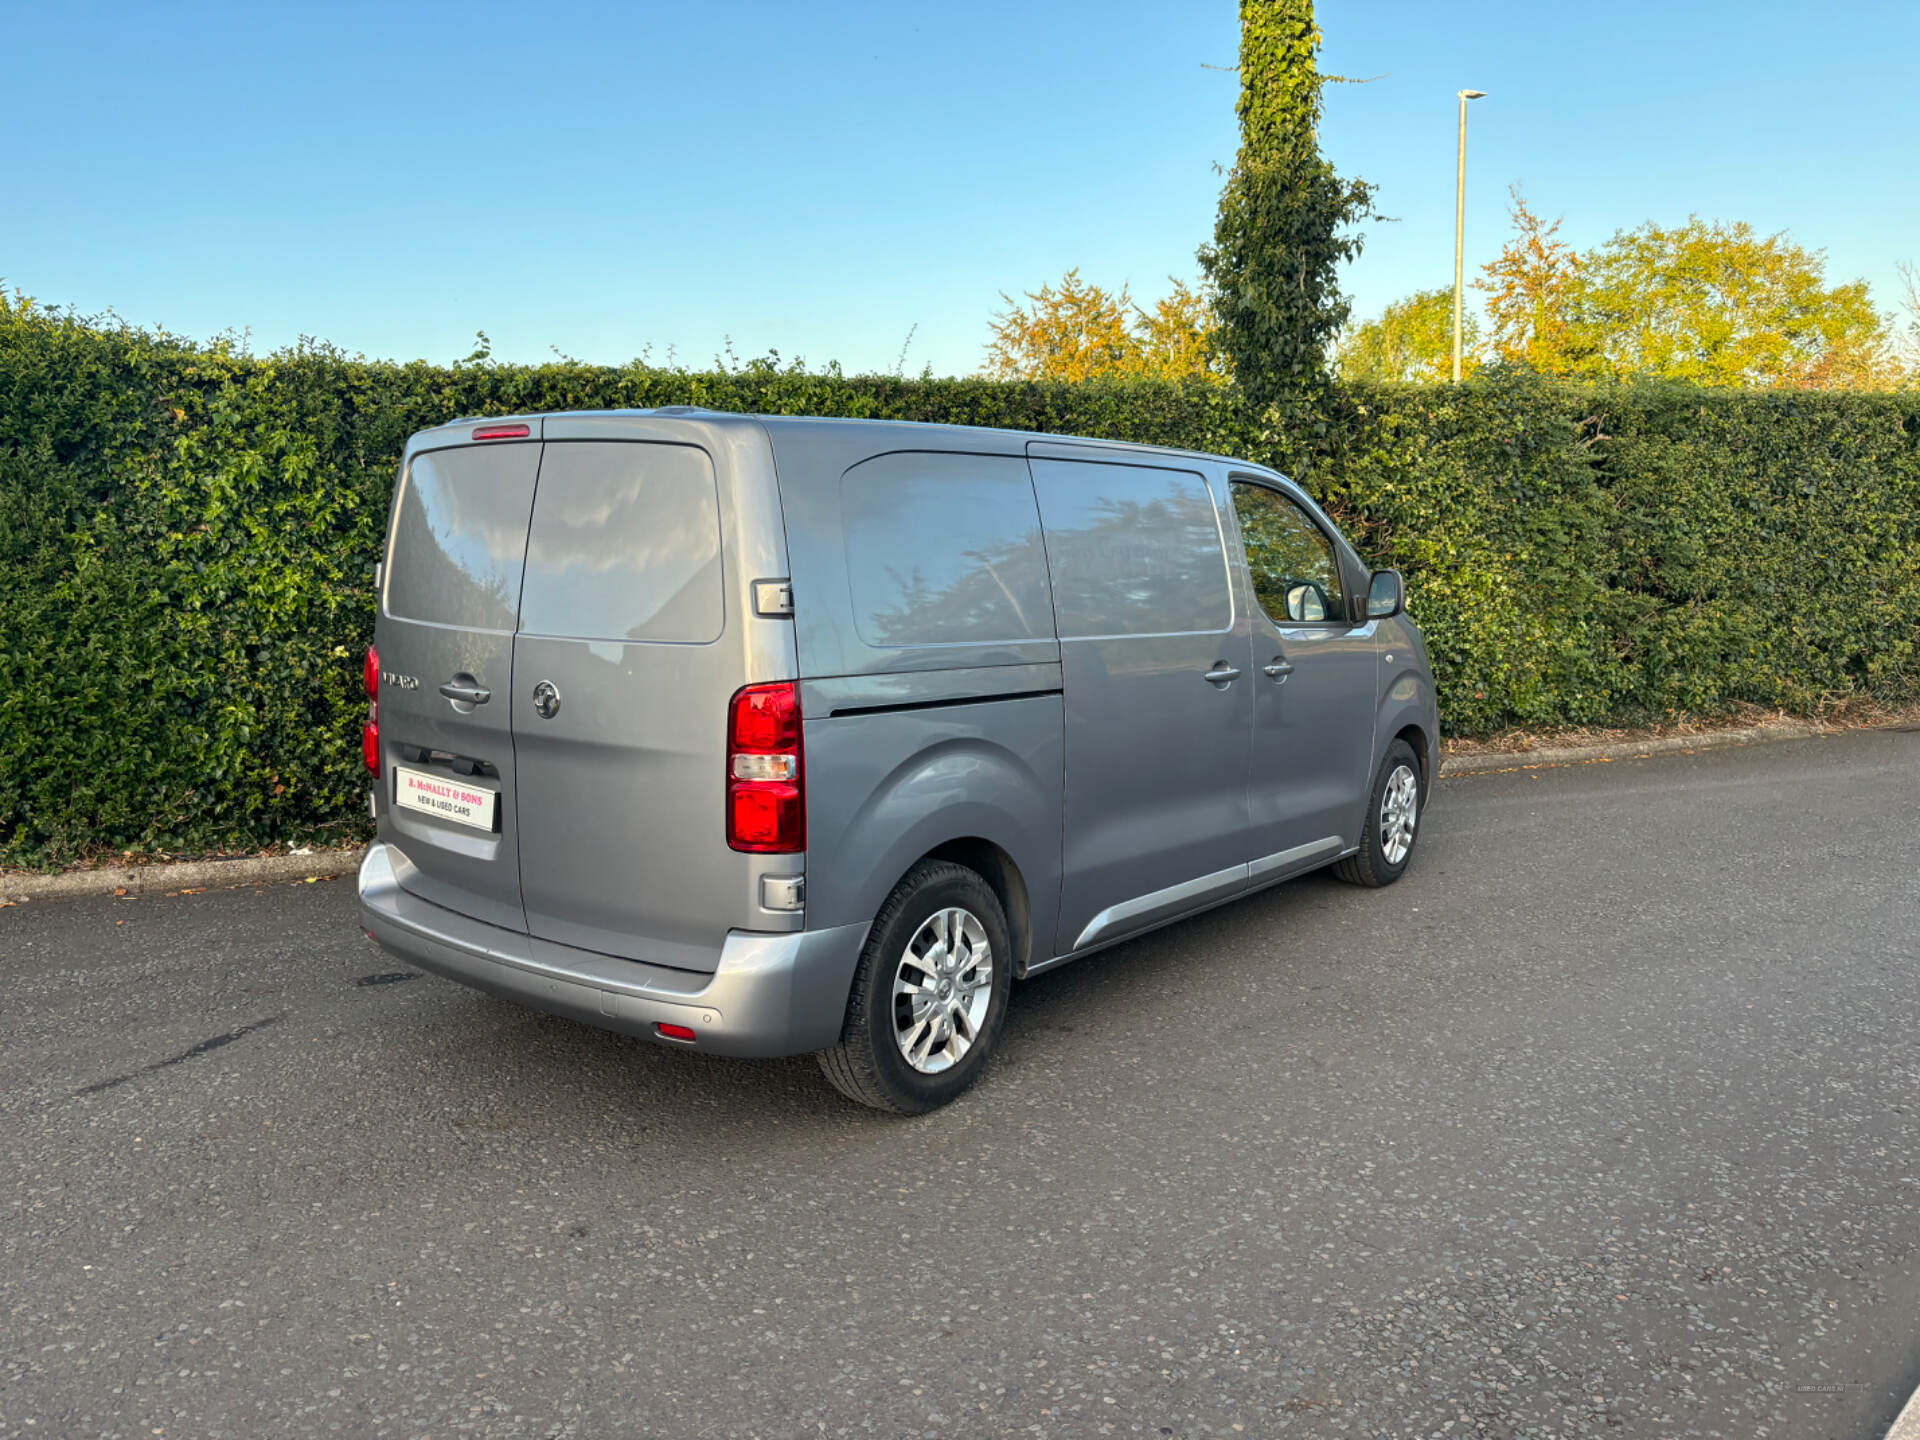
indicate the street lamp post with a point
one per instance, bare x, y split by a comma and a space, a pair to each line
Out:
1460, 229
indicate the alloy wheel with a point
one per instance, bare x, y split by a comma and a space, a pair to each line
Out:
942, 986
1399, 813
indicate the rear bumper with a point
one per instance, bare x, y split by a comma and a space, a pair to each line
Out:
771, 995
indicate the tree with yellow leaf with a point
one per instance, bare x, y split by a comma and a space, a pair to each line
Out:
1717, 304
1908, 341
1082, 331
1534, 298
1708, 302
1411, 342
1178, 337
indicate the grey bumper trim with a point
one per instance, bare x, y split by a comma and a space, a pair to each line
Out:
772, 994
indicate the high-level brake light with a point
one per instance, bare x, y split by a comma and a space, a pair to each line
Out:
502, 432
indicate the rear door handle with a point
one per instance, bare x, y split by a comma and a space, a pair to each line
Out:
1222, 674
470, 693
1279, 669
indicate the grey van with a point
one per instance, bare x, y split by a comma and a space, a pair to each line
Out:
761, 735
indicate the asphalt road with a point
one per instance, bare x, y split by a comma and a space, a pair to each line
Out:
1600, 1123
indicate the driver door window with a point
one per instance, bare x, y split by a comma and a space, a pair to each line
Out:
1296, 576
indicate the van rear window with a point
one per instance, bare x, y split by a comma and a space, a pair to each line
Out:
625, 544
945, 550
459, 533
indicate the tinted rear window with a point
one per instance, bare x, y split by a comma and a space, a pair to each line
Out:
459, 534
625, 544
1134, 550
945, 550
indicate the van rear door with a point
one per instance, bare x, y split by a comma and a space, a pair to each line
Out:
623, 669
445, 640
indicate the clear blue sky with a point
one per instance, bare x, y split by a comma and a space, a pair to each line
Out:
819, 178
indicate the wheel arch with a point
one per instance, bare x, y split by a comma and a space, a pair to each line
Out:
1424, 753
901, 788
1407, 712
1003, 877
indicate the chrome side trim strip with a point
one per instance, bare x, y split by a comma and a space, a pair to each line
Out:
1327, 847
1041, 967
1142, 906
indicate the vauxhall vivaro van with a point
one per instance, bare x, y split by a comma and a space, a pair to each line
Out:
763, 736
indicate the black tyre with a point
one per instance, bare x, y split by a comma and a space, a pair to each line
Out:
929, 996
1393, 821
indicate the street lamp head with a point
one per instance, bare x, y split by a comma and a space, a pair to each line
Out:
1473, 94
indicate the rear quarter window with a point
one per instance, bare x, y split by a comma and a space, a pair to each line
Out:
1135, 550
944, 550
625, 544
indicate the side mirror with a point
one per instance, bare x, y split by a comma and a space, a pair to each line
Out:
1386, 595
1306, 602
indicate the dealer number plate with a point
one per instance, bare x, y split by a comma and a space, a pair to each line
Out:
449, 797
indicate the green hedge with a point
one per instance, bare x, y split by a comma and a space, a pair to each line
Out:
187, 538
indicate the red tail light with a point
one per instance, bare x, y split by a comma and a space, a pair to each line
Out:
502, 432
370, 732
766, 783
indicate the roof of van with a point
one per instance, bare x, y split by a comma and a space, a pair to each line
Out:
705, 415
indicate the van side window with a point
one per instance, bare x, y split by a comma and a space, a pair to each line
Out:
625, 544
1135, 550
945, 550
1296, 576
